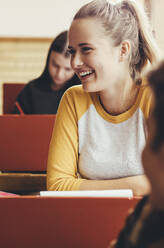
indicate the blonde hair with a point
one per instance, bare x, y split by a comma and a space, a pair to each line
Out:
125, 20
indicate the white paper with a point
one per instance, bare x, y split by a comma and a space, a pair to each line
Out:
127, 193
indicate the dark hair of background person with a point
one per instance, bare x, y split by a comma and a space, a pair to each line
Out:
156, 81
59, 45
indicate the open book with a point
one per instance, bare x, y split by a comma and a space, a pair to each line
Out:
127, 193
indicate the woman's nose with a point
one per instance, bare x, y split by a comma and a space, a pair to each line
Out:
76, 61
60, 73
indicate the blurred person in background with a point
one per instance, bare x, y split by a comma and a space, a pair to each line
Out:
42, 95
144, 227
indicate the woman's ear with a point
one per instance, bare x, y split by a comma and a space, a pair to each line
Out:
125, 49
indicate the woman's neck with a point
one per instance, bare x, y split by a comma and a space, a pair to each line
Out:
119, 99
56, 87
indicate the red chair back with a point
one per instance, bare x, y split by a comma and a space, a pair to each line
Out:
10, 93
25, 142
61, 222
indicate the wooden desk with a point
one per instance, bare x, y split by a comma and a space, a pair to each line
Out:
22, 183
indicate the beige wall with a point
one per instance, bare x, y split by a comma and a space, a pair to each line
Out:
36, 18
21, 59
158, 22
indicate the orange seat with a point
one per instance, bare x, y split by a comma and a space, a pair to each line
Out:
24, 146
25, 142
10, 93
61, 222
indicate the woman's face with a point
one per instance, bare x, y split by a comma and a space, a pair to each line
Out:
59, 69
93, 57
153, 163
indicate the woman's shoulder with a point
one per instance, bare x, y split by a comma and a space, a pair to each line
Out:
34, 82
37, 85
146, 87
30, 84
76, 98
146, 98
77, 91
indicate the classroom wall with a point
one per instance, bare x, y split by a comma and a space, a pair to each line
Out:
36, 18
158, 22
21, 59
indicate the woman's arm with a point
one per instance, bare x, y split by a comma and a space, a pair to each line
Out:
62, 173
139, 184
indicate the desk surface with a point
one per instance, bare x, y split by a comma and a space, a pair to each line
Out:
46, 222
22, 182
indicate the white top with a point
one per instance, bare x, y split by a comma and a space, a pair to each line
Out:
89, 143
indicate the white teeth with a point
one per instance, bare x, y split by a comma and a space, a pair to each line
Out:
85, 73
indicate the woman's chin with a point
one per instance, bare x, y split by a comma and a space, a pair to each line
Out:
89, 86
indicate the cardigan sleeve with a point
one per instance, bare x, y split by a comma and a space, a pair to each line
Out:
62, 163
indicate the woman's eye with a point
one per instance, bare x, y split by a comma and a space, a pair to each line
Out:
54, 64
86, 49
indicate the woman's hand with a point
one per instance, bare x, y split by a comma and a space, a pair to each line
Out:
139, 184
112, 244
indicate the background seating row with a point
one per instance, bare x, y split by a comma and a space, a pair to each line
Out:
24, 148
10, 92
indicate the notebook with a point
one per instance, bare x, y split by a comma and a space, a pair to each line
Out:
127, 193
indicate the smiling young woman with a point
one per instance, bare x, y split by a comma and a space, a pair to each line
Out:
100, 128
